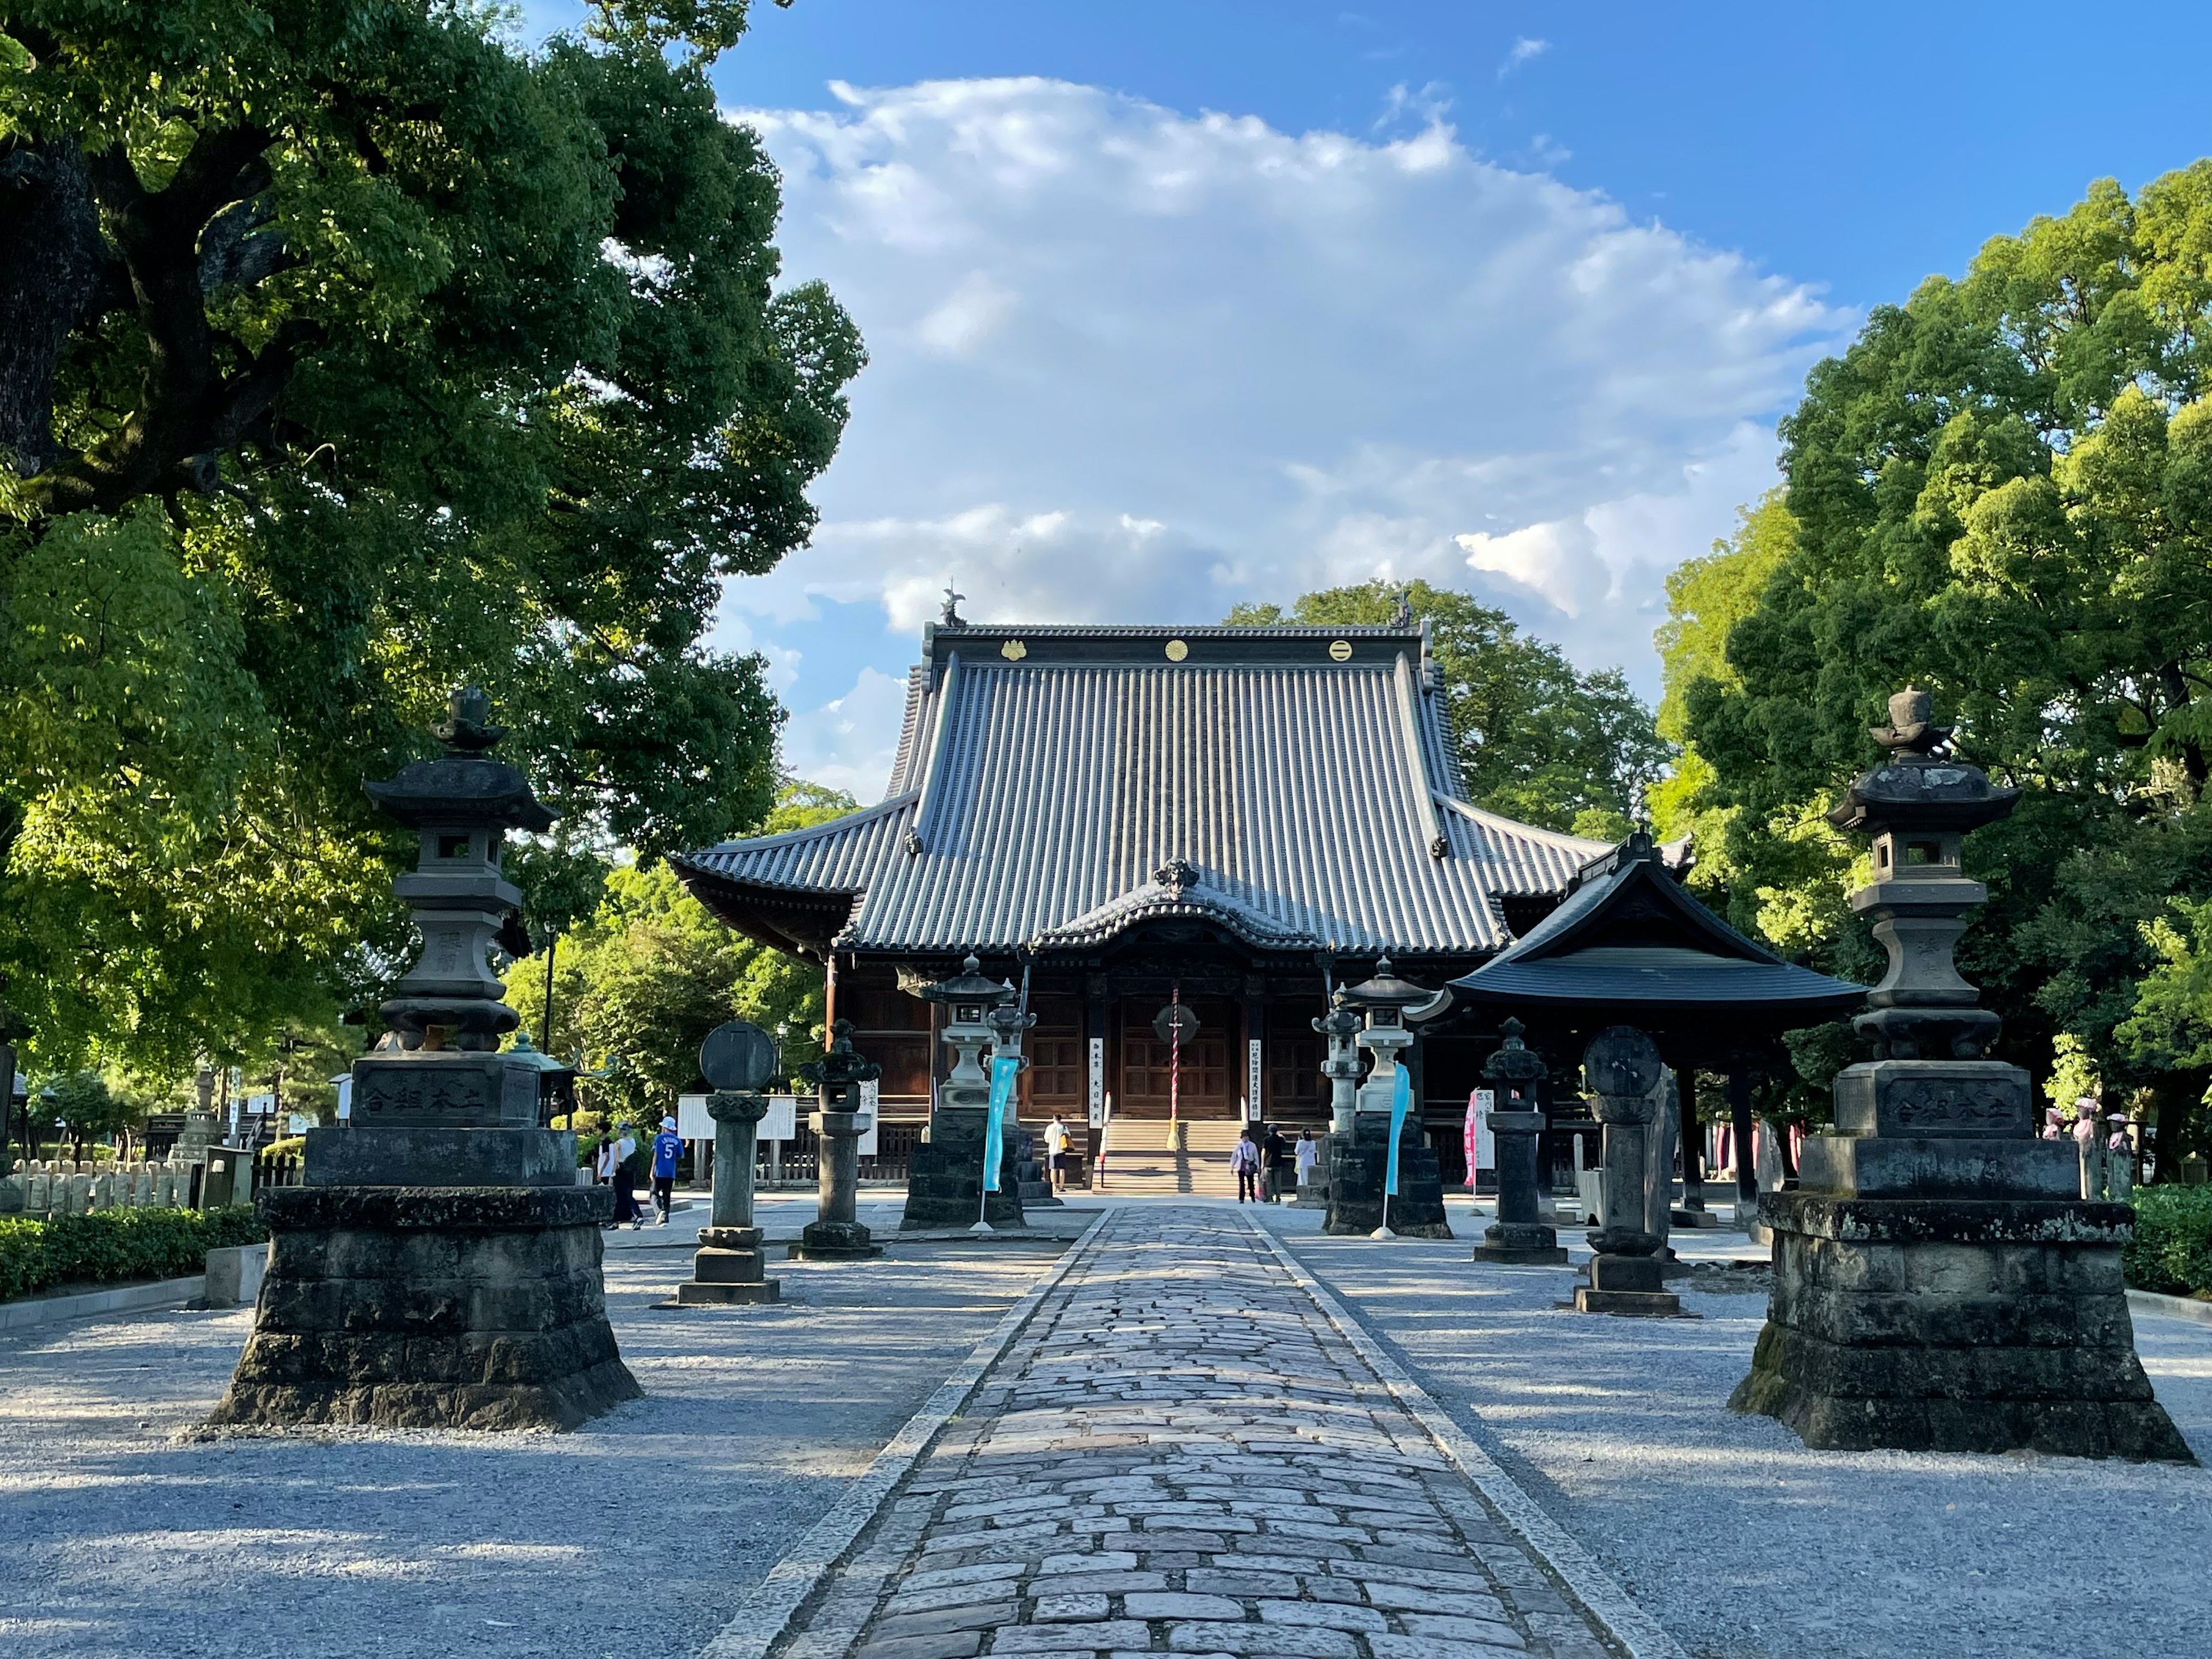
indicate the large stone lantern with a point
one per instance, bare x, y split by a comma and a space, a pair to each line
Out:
1358, 1162
945, 1177
1940, 1284
439, 1267
1517, 1075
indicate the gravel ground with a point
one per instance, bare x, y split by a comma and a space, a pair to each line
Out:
1741, 1541
123, 1535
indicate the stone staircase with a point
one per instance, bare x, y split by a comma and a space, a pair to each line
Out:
1142, 1158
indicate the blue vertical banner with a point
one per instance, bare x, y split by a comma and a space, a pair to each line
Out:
1401, 1099
1005, 1068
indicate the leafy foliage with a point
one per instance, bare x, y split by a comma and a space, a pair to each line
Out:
347, 354
108, 1245
638, 985
2172, 1252
1538, 741
2002, 492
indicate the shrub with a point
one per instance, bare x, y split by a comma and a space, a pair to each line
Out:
109, 1245
2172, 1248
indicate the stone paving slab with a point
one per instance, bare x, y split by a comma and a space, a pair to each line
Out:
1181, 1452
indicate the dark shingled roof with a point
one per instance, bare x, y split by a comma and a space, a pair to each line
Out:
1631, 941
1299, 780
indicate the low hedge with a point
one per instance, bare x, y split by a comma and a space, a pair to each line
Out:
2172, 1248
109, 1245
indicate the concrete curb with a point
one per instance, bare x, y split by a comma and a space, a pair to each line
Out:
1638, 1634
37, 1310
2170, 1307
763, 1617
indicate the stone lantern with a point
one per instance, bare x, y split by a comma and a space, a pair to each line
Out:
1940, 1283
439, 1266
836, 1234
1358, 1162
1623, 1072
945, 1178
1515, 1077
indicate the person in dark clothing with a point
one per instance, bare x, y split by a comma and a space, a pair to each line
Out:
667, 1147
1273, 1150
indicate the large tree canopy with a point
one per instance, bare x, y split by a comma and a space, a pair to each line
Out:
2002, 492
349, 353
1538, 741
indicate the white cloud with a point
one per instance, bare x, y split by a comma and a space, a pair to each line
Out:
1524, 51
850, 742
1128, 364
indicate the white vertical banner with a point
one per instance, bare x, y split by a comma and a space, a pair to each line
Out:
1485, 1141
1253, 1104
1099, 1082
869, 1093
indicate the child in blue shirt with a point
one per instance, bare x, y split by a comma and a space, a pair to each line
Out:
666, 1149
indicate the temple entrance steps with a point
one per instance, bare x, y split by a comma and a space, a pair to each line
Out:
1143, 1159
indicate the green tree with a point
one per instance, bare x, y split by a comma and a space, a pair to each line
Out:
348, 352
1537, 739
2002, 492
88, 1109
645, 978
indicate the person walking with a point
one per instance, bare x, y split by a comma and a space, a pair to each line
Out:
1272, 1151
1055, 1153
1307, 1151
615, 1154
1244, 1158
667, 1147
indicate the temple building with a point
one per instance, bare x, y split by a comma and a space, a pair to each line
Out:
1225, 819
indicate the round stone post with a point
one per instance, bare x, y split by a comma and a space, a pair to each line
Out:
1621, 1068
729, 1268
1519, 1235
835, 1233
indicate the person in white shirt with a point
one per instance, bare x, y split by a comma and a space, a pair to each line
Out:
1055, 1153
1309, 1154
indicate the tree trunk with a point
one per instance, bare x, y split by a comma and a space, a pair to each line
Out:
49, 259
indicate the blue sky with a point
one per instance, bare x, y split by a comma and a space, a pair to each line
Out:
1175, 305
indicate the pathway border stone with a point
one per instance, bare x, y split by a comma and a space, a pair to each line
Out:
763, 1617
1589, 1584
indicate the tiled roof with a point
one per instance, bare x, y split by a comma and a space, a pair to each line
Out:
1046, 776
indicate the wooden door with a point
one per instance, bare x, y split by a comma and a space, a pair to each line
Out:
1209, 1072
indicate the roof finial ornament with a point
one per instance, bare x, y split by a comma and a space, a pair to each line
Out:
1175, 875
1401, 615
1911, 727
951, 619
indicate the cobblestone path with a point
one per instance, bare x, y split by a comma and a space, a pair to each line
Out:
1182, 1455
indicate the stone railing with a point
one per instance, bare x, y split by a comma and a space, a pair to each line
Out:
63, 1187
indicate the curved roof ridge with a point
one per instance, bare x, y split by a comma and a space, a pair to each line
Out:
1154, 899
1560, 838
854, 820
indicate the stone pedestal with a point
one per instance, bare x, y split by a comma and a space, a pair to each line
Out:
430, 1308
1356, 1165
944, 1177
1938, 1295
1519, 1235
729, 1269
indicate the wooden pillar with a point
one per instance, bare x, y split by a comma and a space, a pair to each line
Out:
1693, 1143
1739, 1093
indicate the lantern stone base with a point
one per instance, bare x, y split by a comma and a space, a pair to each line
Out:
1631, 1286
1519, 1244
431, 1307
944, 1177
728, 1271
834, 1241
1953, 1324
1358, 1166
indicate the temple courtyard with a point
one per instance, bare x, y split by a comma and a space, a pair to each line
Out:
1154, 1426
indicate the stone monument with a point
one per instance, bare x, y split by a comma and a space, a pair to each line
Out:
1622, 1070
944, 1179
1940, 1283
1358, 1162
439, 1267
835, 1233
729, 1270
1519, 1235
